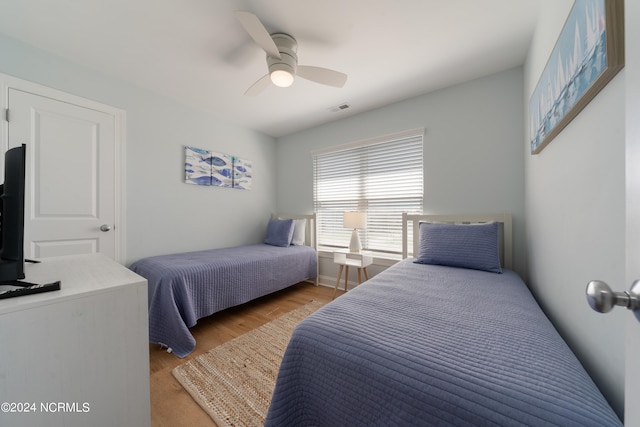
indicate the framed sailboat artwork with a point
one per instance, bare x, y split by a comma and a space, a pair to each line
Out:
588, 53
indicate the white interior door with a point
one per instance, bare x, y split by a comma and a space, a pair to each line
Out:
71, 193
632, 336
632, 76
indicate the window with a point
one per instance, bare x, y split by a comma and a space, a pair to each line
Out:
381, 177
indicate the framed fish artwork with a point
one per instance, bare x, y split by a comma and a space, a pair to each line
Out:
242, 173
196, 168
205, 167
221, 170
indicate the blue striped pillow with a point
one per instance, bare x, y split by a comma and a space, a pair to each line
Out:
473, 246
279, 232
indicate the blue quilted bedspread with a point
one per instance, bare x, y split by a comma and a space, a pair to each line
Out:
436, 346
188, 286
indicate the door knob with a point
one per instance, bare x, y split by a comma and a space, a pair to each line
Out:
602, 299
105, 227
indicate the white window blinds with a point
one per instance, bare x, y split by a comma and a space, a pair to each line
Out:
381, 177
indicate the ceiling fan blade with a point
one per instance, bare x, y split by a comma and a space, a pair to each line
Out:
258, 32
258, 87
321, 75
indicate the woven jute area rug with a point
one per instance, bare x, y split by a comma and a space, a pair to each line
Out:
234, 382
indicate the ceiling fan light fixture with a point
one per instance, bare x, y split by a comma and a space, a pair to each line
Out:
283, 70
281, 78
282, 59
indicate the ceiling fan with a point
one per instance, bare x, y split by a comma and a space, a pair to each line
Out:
282, 59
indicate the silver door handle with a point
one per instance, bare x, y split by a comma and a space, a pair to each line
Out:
105, 227
602, 299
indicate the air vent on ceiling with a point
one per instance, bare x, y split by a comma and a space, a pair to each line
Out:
341, 107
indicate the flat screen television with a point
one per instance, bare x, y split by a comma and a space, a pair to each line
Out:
12, 216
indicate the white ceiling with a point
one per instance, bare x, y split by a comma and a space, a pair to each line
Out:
195, 51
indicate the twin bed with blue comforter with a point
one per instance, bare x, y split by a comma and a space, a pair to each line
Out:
447, 338
188, 286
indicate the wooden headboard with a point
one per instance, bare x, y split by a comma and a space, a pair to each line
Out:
506, 231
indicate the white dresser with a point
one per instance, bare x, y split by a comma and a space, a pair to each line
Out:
78, 356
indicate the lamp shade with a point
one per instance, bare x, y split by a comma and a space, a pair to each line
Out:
354, 220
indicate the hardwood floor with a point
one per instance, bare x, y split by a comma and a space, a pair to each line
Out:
171, 405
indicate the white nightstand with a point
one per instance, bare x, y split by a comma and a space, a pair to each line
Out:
359, 260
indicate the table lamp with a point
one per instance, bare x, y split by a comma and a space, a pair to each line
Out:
354, 220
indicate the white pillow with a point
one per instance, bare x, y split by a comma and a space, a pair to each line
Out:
299, 231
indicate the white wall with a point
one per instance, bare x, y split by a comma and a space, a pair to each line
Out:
163, 214
473, 156
575, 211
